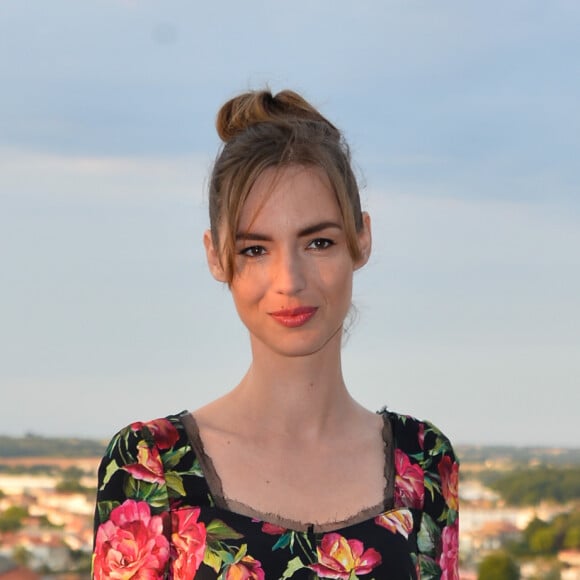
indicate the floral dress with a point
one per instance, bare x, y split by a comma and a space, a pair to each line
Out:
161, 515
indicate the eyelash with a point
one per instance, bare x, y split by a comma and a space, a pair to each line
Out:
253, 251
318, 244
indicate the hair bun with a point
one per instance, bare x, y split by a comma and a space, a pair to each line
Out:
255, 107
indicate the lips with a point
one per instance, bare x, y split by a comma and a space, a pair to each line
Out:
294, 317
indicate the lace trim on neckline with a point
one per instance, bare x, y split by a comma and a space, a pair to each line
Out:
224, 502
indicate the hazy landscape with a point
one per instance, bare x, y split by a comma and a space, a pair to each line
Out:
520, 510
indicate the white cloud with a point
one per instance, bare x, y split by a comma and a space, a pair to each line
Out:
436, 231
50, 175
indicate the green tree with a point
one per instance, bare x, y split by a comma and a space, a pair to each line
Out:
72, 472
546, 538
544, 541
572, 538
21, 555
11, 518
552, 574
70, 486
535, 525
498, 566
531, 486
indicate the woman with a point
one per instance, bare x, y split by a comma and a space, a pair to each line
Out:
286, 476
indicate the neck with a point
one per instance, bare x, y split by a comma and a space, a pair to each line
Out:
302, 396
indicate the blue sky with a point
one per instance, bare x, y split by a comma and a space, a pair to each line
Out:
463, 119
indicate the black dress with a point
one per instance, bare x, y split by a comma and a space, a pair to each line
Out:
161, 514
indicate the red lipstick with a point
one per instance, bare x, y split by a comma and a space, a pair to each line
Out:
294, 317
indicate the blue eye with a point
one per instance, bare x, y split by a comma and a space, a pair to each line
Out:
253, 251
320, 244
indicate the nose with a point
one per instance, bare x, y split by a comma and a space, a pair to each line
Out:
289, 273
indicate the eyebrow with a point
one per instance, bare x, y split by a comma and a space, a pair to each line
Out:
307, 231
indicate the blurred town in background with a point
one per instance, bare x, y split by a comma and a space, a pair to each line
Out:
519, 513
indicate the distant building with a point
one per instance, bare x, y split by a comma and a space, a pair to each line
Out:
571, 562
10, 570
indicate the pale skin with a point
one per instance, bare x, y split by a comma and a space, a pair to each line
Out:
289, 439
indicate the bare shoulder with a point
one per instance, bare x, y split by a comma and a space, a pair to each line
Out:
218, 416
365, 423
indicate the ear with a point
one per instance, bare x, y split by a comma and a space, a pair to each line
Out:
365, 241
213, 258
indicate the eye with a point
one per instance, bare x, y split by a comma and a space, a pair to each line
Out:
320, 244
253, 251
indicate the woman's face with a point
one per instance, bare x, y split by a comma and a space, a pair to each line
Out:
292, 281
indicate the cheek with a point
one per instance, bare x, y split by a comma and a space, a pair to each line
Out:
247, 287
338, 283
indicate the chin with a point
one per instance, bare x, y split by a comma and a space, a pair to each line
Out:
297, 347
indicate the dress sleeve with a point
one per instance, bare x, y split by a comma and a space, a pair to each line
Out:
438, 539
132, 510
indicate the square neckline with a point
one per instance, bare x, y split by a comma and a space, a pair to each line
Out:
242, 509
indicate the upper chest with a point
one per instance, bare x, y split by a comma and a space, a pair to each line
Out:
316, 483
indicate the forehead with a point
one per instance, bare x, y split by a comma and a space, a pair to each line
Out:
290, 195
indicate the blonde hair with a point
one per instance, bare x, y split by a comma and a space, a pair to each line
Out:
261, 131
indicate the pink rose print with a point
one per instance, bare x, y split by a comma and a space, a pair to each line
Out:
188, 539
450, 552
163, 431
149, 466
340, 558
449, 473
409, 483
246, 569
273, 529
396, 521
421, 435
130, 544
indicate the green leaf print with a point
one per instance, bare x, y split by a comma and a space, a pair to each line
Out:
171, 458
428, 537
154, 494
448, 517
283, 541
241, 553
293, 566
431, 486
442, 445
226, 557
111, 469
429, 569
113, 443
213, 559
174, 482
105, 508
196, 469
216, 531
